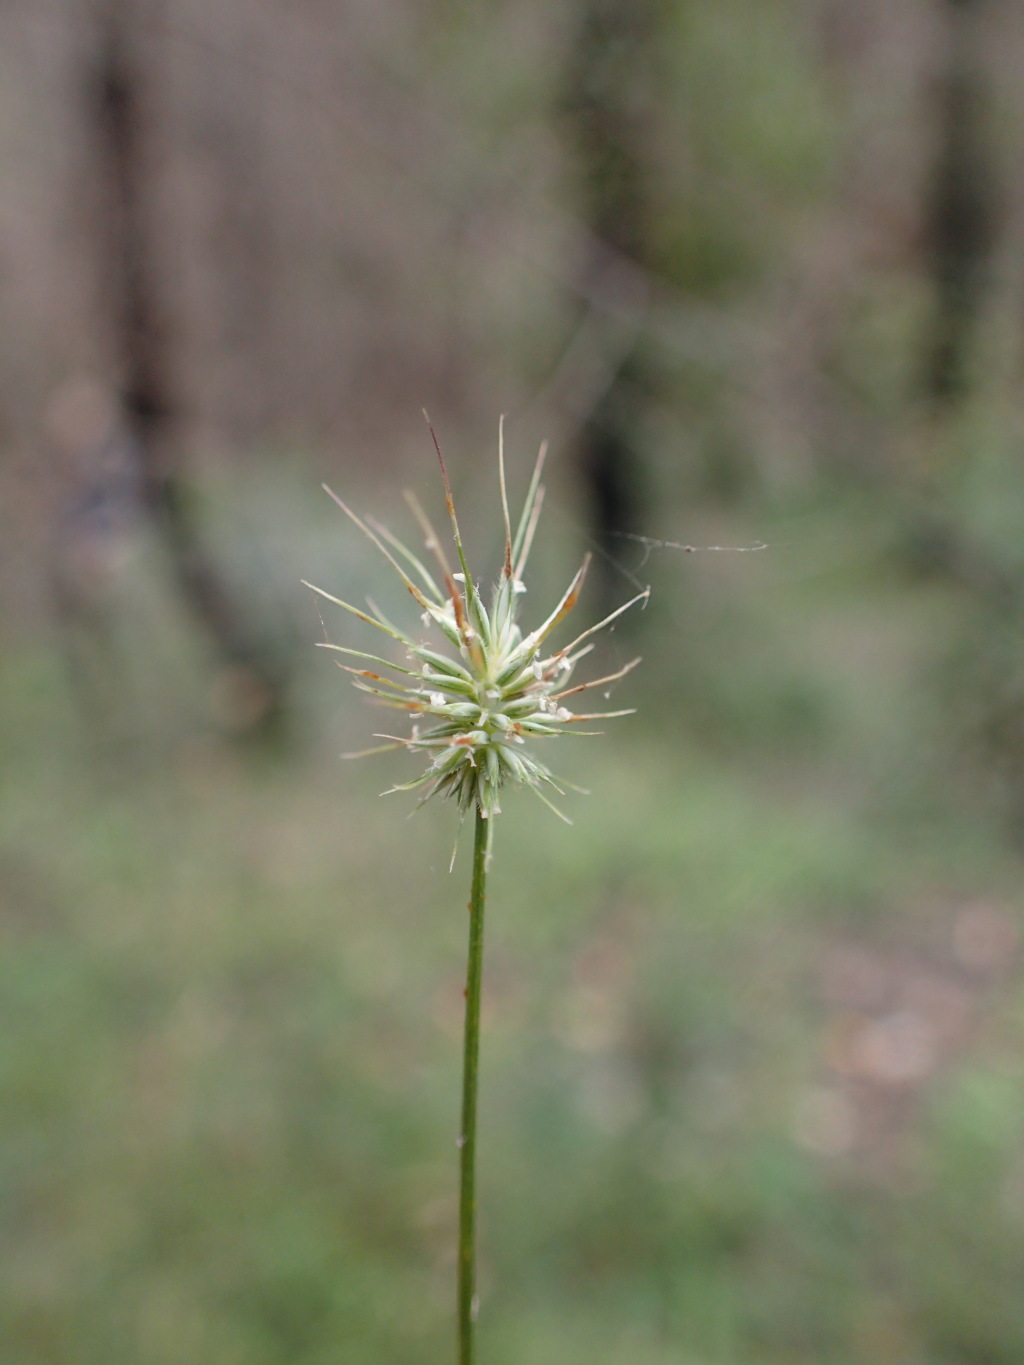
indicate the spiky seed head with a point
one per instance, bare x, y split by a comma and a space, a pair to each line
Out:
475, 708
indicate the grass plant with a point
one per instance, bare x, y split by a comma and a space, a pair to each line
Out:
474, 704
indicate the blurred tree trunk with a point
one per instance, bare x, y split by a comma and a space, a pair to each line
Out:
959, 226
607, 86
254, 681
960, 217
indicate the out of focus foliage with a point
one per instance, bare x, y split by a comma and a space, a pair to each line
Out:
753, 1036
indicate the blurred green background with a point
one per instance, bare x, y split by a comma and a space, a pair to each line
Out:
754, 1040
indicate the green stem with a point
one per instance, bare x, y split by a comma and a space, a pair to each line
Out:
470, 1074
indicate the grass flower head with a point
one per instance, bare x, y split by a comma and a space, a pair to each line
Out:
490, 689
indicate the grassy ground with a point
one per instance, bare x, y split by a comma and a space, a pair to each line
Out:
751, 1056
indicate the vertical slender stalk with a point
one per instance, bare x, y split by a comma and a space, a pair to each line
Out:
470, 1073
